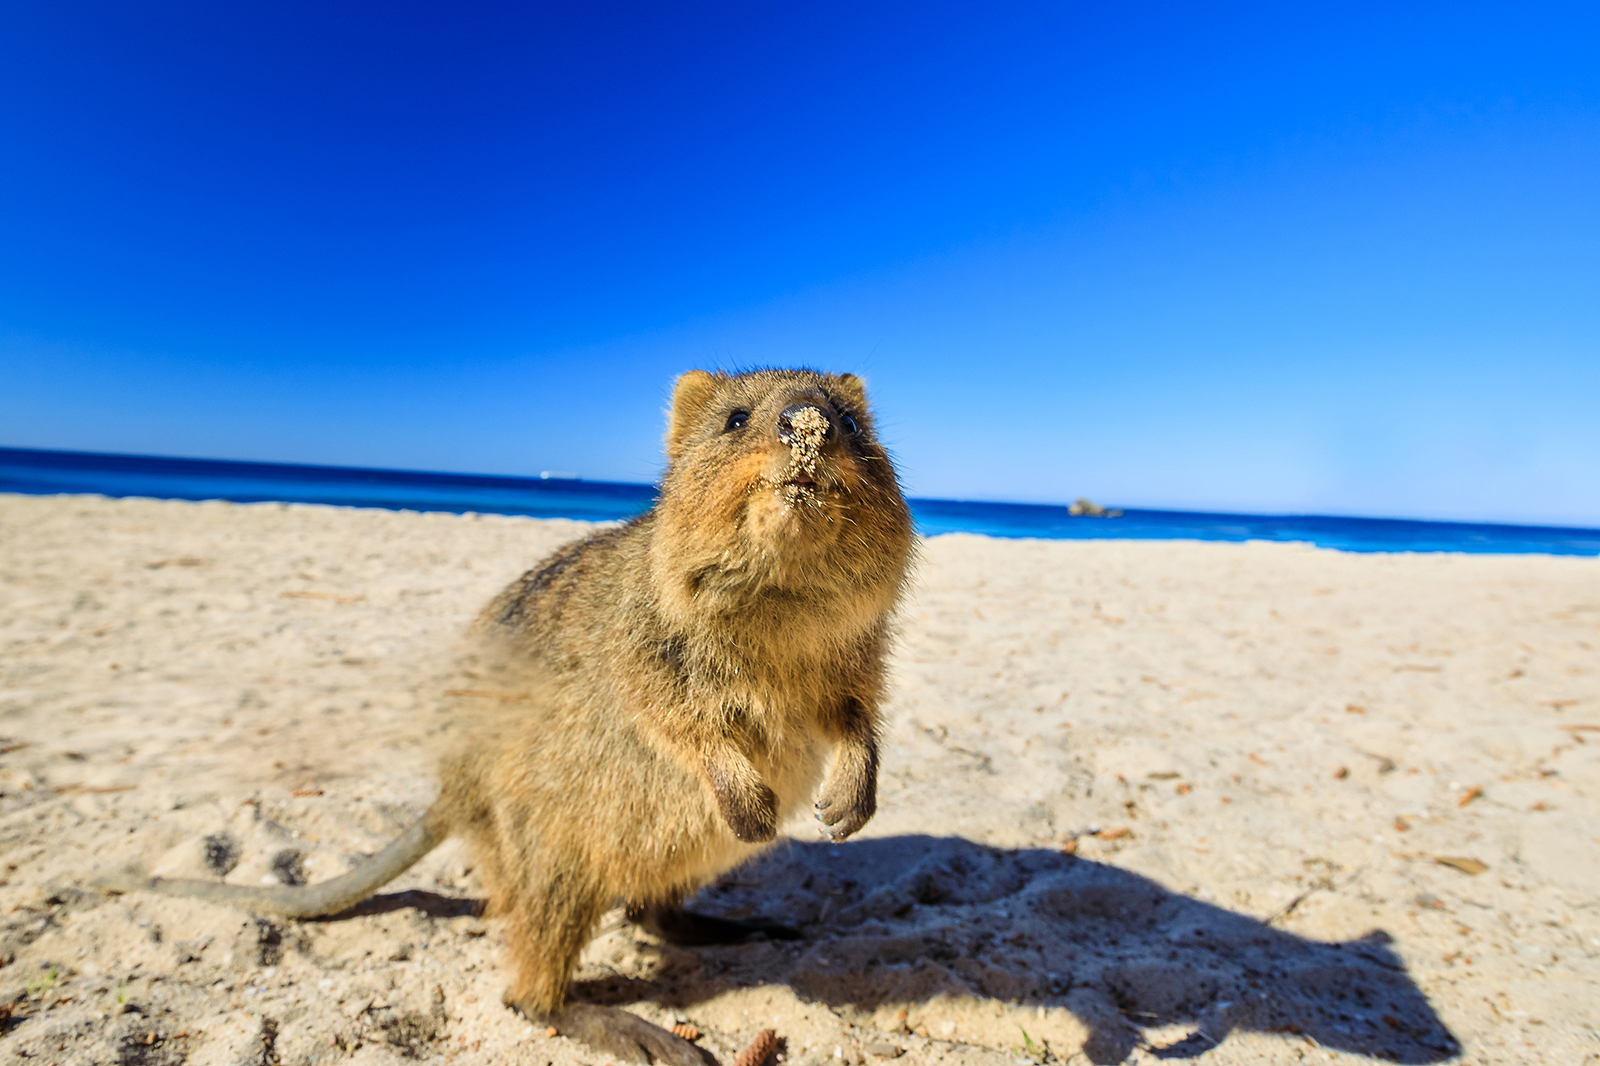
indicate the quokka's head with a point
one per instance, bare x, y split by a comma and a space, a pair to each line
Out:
777, 478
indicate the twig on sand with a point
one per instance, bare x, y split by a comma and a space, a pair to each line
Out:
1324, 884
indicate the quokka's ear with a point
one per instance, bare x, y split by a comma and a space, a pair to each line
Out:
850, 391
691, 396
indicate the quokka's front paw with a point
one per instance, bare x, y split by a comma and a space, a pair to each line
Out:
751, 813
844, 808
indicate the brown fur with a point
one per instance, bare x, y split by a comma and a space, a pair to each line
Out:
687, 677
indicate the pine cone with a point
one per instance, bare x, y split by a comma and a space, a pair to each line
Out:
760, 1049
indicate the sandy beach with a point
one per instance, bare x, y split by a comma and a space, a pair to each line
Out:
1247, 803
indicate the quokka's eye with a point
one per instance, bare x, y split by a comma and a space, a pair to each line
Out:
848, 423
736, 420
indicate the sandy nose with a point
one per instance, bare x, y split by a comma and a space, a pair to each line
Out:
804, 420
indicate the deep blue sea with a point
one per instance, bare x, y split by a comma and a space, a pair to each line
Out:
43, 472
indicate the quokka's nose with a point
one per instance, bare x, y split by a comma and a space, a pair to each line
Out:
802, 419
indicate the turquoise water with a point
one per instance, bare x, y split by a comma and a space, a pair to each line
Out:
41, 472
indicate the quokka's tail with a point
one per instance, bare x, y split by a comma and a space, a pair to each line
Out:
299, 901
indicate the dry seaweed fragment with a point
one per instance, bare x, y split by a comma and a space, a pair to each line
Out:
1466, 865
332, 597
1469, 795
486, 694
185, 561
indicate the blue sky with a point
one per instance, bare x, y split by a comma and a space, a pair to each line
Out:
1330, 258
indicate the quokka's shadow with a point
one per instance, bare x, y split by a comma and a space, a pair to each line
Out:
905, 919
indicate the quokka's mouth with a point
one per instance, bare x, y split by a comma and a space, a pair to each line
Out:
800, 490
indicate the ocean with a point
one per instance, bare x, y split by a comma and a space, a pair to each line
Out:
48, 472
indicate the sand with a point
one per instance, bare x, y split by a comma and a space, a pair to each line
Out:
1249, 803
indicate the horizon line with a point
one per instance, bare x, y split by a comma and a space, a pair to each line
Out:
545, 478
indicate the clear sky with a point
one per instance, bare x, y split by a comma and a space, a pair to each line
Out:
1338, 258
